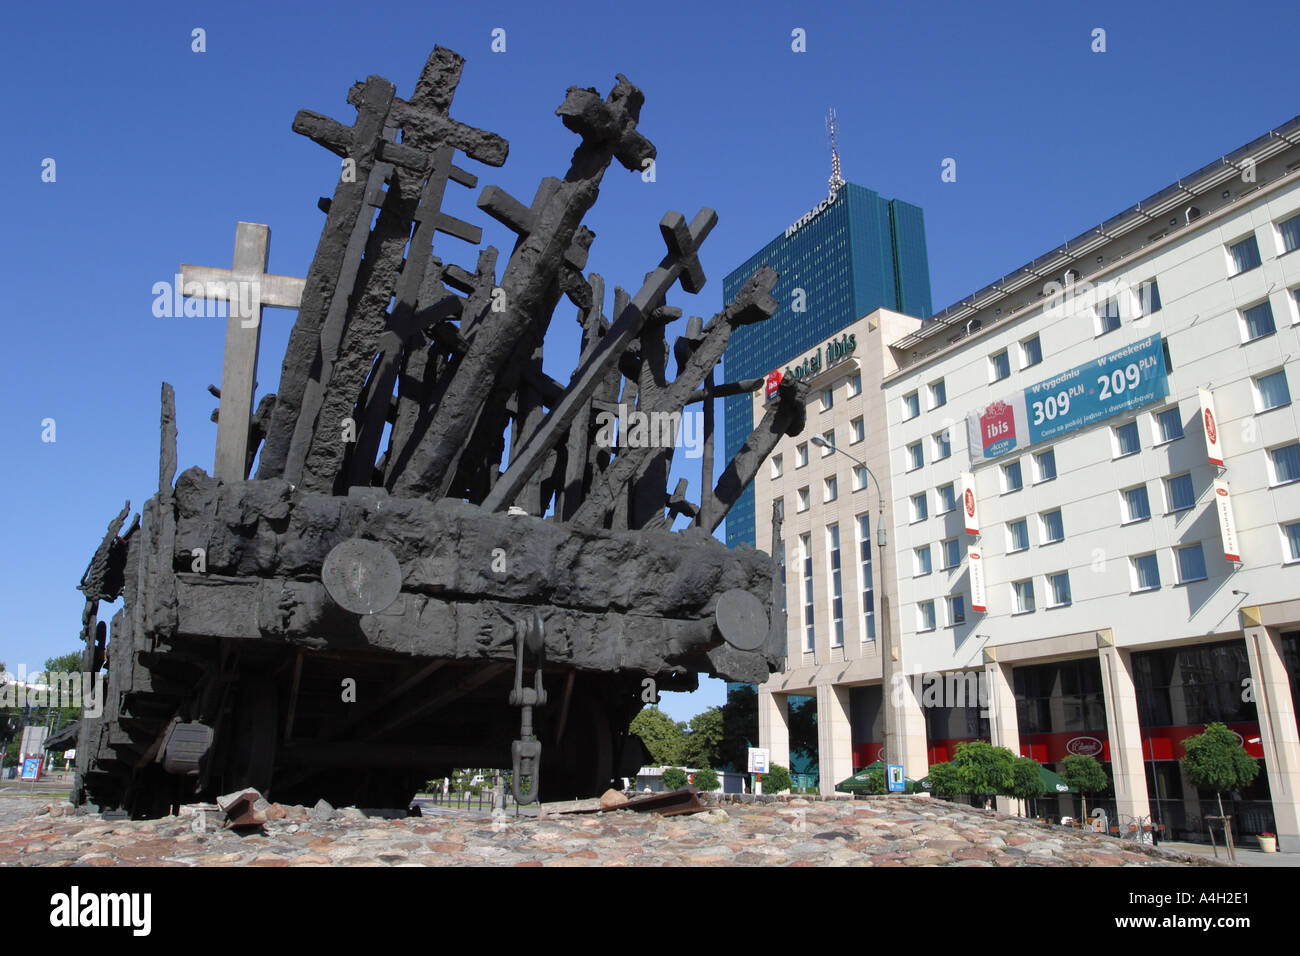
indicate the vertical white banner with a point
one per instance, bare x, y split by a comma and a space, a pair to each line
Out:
978, 599
1210, 422
969, 507
1227, 526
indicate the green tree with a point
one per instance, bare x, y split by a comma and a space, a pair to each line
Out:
1085, 774
777, 779
703, 746
944, 781
1026, 781
876, 780
663, 737
706, 779
674, 778
1216, 761
984, 770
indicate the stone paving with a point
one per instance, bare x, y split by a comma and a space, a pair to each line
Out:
887, 831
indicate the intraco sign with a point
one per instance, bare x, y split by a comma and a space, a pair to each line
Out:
1113, 384
811, 214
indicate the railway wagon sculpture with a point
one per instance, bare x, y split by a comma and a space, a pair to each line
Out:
396, 591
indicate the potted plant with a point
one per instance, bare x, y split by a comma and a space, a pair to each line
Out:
1268, 842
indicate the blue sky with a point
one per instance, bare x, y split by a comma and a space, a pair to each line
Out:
159, 150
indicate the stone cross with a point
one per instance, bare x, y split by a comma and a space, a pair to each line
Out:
246, 288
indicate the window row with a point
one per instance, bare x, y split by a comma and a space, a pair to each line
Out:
836, 582
1243, 254
852, 389
936, 397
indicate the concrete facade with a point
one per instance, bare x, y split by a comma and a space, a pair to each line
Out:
1104, 561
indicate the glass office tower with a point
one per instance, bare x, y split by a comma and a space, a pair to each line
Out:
857, 254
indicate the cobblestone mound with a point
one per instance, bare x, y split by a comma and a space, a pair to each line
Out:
898, 831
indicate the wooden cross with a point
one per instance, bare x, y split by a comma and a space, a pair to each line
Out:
246, 288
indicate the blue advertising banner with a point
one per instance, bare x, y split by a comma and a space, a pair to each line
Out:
1113, 384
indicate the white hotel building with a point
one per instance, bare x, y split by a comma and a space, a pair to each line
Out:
1114, 621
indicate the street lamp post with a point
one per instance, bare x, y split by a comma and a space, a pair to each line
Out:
889, 666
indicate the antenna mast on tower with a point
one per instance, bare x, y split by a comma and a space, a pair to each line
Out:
836, 180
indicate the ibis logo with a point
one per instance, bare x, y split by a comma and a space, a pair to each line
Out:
998, 429
773, 384
1084, 746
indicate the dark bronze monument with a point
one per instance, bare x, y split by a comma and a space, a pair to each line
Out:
438, 562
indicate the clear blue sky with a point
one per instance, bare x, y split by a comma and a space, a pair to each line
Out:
160, 150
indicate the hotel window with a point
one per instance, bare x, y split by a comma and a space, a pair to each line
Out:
942, 446
925, 616
1178, 492
802, 499
859, 477
915, 456
1284, 463
956, 610
938, 394
1146, 572
1023, 592
832, 489
837, 584
999, 366
777, 462
1126, 439
1108, 316
855, 385
1191, 563
1059, 585
921, 561
1031, 352
864, 566
920, 510
1169, 425
1137, 507
1244, 255
911, 405
1148, 294
1290, 231
1295, 298
1291, 537
1257, 321
857, 431
809, 632
829, 438
828, 399
801, 455
1053, 527
947, 498
950, 549
1271, 391
1045, 465
778, 507
1017, 536
1012, 480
